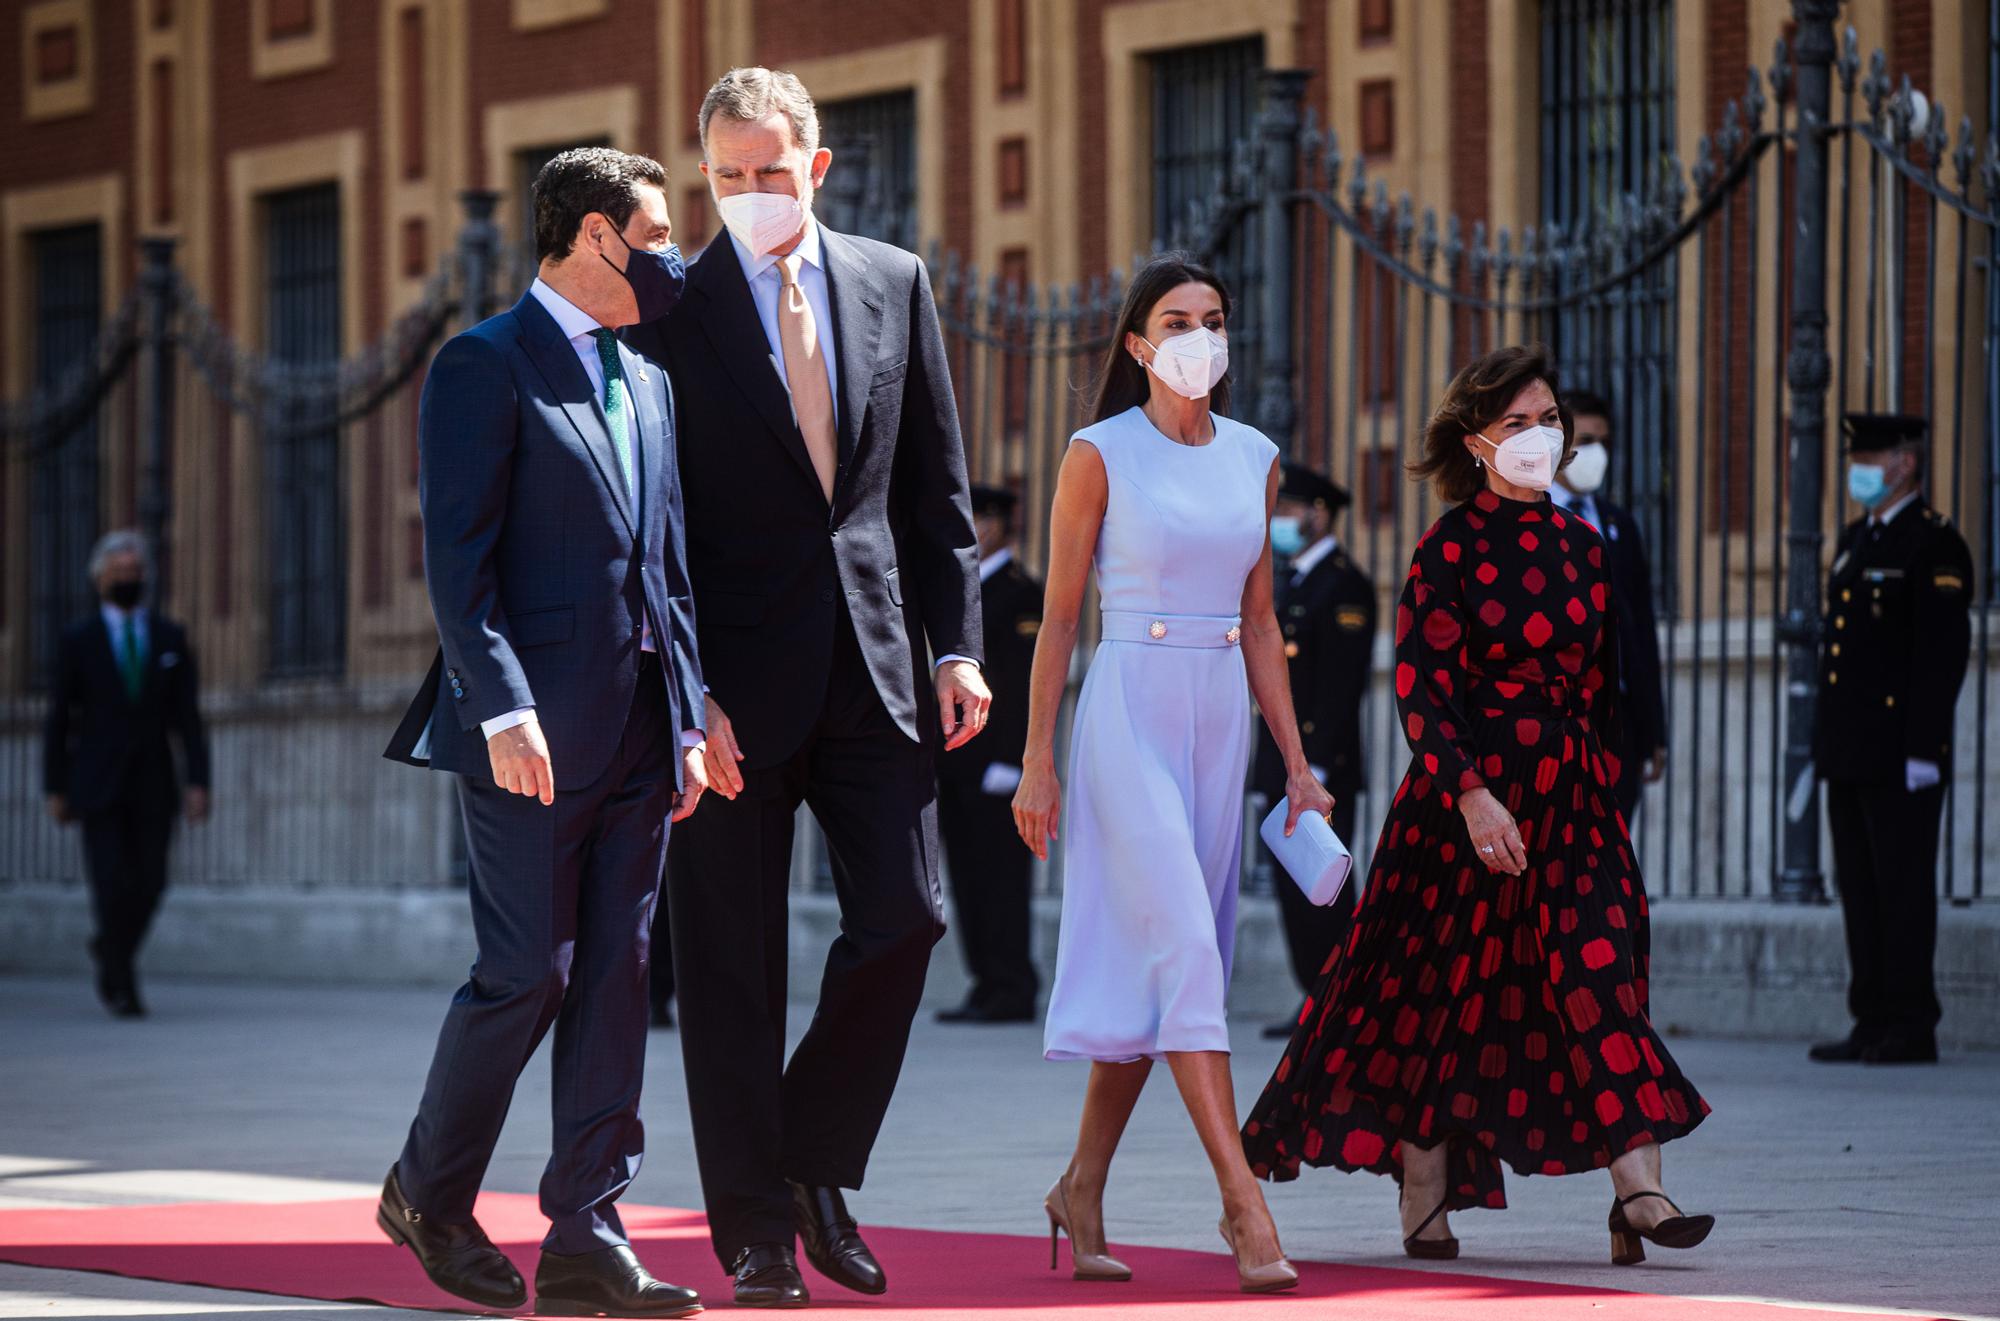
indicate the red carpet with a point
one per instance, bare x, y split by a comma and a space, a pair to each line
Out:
332, 1250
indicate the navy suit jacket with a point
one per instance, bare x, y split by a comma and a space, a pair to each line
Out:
542, 568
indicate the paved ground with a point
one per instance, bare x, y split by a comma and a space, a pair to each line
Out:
1858, 1188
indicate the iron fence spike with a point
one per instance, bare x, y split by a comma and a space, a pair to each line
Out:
1962, 155
1849, 63
1754, 102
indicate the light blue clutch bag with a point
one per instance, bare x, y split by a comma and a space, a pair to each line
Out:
1313, 857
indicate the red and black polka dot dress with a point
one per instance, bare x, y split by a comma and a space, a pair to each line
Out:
1505, 1015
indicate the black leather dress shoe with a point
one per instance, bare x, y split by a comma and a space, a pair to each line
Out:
767, 1275
460, 1259
833, 1241
608, 1282
1902, 1050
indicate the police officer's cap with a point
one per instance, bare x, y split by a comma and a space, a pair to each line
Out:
993, 500
1869, 433
1302, 483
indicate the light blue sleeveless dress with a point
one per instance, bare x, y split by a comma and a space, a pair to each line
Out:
1152, 822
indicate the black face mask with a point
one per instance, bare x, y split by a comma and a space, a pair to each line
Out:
656, 278
126, 595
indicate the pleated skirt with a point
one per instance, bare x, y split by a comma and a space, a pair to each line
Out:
1502, 1015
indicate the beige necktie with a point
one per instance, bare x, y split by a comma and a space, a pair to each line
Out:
805, 372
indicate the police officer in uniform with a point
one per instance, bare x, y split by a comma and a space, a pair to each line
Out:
1897, 635
1326, 606
989, 868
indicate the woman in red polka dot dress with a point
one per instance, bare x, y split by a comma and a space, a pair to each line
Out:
1489, 1004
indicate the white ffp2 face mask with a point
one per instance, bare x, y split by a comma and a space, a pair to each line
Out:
761, 222
1528, 457
1586, 467
1192, 363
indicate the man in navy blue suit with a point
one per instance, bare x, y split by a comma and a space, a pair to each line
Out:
1579, 487
567, 698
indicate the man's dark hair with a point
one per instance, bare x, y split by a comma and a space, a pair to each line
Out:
580, 181
1582, 403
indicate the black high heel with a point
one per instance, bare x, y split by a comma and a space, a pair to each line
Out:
1676, 1231
1431, 1249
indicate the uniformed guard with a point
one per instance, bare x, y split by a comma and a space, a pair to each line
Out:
1326, 606
1896, 640
989, 868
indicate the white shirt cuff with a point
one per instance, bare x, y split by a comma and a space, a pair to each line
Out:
518, 716
693, 738
943, 661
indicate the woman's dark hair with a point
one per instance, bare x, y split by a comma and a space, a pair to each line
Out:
1477, 398
1122, 382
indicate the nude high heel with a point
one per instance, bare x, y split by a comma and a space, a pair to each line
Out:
1083, 1265
1271, 1277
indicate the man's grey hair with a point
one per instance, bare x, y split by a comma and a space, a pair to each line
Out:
750, 94
124, 541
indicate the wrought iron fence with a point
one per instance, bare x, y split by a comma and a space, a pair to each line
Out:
1681, 302
1674, 303
223, 448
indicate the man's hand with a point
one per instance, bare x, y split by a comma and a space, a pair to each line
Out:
521, 761
963, 701
195, 803
694, 780
59, 810
720, 754
1656, 765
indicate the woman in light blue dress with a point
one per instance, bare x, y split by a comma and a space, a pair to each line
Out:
1172, 502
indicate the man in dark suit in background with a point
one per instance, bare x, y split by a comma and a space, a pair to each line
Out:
1643, 707
566, 699
123, 691
836, 572
990, 869
1897, 639
1326, 606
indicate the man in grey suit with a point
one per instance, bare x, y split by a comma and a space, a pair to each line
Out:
567, 699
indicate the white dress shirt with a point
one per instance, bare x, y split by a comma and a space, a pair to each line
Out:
1887, 515
767, 282
580, 327
1309, 559
998, 560
1583, 506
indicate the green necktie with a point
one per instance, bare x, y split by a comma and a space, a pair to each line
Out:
615, 410
130, 662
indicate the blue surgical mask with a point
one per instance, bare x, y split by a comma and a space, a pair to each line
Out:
656, 278
1867, 483
1288, 536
